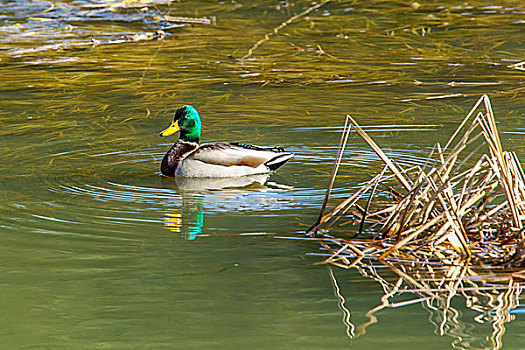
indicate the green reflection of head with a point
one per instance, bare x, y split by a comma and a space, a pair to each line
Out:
187, 220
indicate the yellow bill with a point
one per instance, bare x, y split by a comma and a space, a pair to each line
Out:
170, 130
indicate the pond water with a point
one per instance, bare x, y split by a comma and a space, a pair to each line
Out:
102, 252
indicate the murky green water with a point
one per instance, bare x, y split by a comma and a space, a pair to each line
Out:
101, 252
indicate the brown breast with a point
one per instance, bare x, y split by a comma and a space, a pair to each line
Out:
176, 153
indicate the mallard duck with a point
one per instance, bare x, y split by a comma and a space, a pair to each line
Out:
221, 159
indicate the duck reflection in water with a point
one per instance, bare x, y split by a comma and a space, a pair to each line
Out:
188, 219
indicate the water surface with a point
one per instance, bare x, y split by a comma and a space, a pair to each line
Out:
100, 251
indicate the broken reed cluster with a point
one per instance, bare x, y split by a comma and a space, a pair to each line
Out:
467, 201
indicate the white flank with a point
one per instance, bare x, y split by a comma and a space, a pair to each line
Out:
195, 168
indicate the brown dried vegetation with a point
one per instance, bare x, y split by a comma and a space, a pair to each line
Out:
467, 201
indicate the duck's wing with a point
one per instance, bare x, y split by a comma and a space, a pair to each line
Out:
238, 154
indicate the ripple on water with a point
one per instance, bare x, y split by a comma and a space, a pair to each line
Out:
109, 191
118, 194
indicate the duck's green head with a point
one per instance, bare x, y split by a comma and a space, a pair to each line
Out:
188, 122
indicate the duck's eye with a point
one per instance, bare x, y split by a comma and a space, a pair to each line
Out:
186, 117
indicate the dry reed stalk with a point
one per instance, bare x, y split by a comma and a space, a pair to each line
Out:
458, 207
379, 152
191, 20
337, 163
281, 26
518, 66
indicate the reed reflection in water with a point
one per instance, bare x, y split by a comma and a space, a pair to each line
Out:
443, 291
